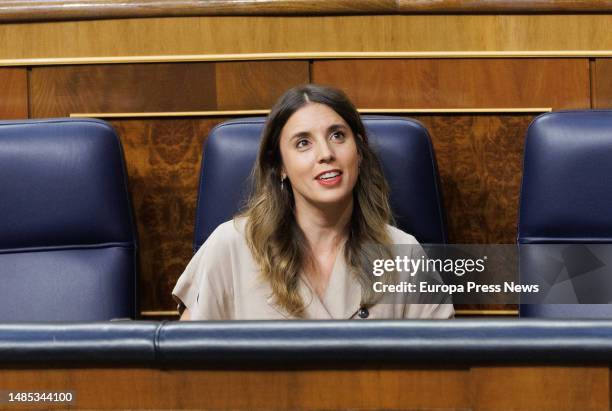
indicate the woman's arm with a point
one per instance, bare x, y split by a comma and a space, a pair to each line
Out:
205, 290
186, 316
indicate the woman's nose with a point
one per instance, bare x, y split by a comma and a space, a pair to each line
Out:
325, 151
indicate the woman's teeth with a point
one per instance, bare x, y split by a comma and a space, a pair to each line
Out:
329, 175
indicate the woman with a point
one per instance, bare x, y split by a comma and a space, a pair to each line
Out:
298, 249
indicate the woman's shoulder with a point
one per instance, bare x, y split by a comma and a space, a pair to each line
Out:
400, 237
229, 233
225, 243
230, 230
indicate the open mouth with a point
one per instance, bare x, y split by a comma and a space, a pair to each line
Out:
330, 178
329, 175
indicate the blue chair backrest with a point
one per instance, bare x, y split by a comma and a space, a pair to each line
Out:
404, 148
67, 239
565, 218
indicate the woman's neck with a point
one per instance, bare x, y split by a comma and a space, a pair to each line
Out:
324, 227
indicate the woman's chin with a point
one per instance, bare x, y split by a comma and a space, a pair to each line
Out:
332, 200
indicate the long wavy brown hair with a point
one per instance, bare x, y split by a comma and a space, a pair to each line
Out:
276, 241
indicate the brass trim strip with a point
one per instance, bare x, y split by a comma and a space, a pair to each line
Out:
457, 312
212, 113
514, 313
455, 110
159, 313
303, 56
232, 113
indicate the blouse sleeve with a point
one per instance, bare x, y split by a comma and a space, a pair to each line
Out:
205, 287
434, 306
427, 306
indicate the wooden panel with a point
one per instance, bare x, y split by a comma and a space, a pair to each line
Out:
602, 83
59, 91
250, 389
480, 165
465, 83
541, 388
525, 388
256, 85
51, 10
163, 163
211, 35
13, 93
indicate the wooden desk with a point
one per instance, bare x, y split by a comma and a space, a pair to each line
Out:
423, 365
165, 73
524, 387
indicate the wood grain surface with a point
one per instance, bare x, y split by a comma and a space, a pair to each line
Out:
465, 83
256, 85
163, 163
175, 37
52, 10
13, 93
60, 91
548, 388
480, 166
602, 83
218, 389
479, 388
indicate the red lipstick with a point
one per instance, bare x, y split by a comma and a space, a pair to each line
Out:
329, 178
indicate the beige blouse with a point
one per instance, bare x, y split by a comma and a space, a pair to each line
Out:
222, 282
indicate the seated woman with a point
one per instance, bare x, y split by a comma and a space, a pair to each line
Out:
319, 197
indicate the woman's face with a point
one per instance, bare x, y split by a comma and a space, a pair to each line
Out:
319, 155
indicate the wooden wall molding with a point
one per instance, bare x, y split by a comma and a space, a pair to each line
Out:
173, 314
71, 61
179, 114
233, 113
240, 38
65, 10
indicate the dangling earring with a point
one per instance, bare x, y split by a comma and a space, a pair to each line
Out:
283, 183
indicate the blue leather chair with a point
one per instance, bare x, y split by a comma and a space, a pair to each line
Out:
67, 238
404, 148
565, 222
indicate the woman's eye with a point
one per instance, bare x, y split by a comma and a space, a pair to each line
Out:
337, 135
301, 143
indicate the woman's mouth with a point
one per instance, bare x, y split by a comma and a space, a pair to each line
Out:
330, 178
